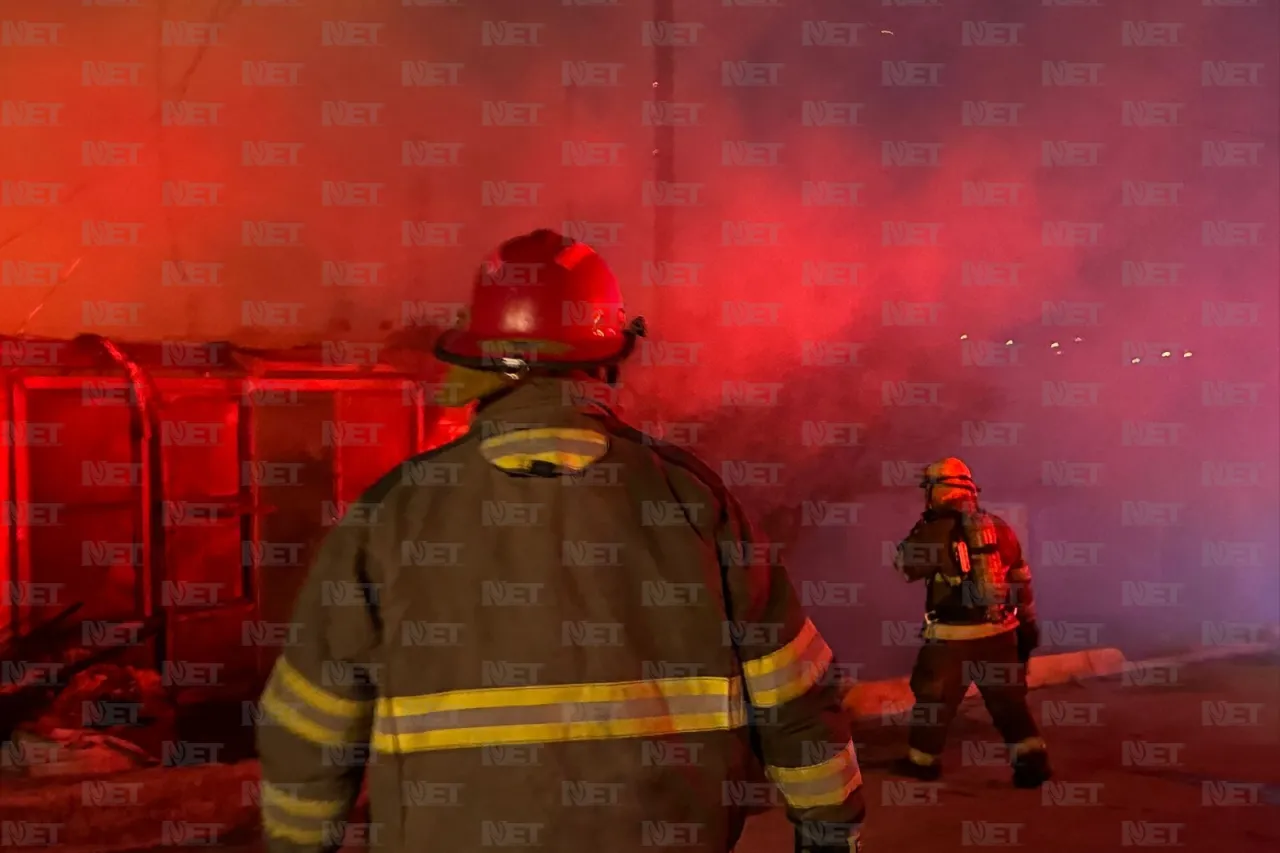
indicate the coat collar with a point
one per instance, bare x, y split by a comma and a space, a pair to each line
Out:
547, 402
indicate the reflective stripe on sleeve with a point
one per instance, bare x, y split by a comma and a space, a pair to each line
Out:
923, 759
311, 712
1030, 745
790, 671
294, 818
545, 714
827, 784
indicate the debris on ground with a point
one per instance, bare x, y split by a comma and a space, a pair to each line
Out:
45, 660
70, 752
30, 680
108, 705
141, 809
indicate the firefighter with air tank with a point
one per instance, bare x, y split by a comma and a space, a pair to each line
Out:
980, 624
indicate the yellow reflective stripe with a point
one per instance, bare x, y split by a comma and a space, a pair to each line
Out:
942, 631
280, 798
505, 697
923, 759
826, 784
545, 714
311, 713
789, 672
785, 656
293, 833
304, 821
316, 697
584, 435
555, 732
571, 449
1031, 744
293, 720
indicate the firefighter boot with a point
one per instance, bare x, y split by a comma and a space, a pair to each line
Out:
1031, 769
918, 765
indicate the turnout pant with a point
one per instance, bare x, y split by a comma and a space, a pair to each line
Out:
943, 672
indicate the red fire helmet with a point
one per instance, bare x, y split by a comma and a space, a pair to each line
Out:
545, 301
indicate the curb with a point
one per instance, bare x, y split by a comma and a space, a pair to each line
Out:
1199, 655
893, 696
874, 699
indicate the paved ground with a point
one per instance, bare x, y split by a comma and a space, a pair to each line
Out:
1193, 764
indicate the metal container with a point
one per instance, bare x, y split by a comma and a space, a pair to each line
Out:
189, 483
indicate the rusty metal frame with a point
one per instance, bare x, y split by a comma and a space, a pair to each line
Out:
339, 414
15, 469
9, 439
250, 523
21, 479
151, 463
224, 390
416, 424
221, 390
313, 383
336, 385
20, 388
149, 456
21, 498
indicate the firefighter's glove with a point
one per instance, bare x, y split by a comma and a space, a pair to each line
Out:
1028, 640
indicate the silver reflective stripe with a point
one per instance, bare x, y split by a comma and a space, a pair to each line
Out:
570, 450
544, 445
303, 821
826, 784
794, 678
831, 791
552, 713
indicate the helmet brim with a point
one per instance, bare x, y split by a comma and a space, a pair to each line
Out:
463, 348
953, 482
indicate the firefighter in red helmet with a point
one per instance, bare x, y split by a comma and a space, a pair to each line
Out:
980, 624
533, 649
540, 304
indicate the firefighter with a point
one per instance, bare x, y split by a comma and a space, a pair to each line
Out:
980, 624
567, 634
